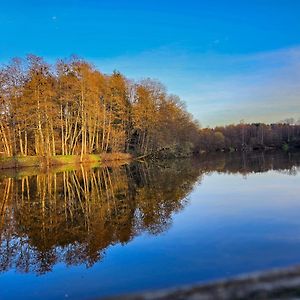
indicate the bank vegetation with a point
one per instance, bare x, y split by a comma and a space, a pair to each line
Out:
72, 110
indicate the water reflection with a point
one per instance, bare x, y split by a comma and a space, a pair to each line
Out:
74, 216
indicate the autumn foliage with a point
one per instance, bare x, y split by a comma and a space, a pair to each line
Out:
71, 108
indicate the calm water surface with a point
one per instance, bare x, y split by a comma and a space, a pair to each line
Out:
89, 233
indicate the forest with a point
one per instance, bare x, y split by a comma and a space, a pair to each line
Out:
247, 137
71, 108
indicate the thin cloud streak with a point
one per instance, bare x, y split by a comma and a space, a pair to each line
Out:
221, 89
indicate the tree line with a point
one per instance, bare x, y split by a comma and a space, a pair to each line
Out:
71, 108
253, 136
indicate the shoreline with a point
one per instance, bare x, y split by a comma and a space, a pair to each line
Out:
276, 283
20, 162
44, 163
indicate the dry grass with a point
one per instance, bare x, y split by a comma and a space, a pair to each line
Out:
61, 160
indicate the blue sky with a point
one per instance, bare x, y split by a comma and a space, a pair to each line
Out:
228, 60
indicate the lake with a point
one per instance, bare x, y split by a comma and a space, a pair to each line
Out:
93, 232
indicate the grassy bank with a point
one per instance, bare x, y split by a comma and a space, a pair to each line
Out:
59, 160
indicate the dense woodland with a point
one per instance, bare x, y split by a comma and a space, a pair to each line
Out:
285, 134
71, 108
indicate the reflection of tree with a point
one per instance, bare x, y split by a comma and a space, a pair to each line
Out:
245, 163
72, 217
